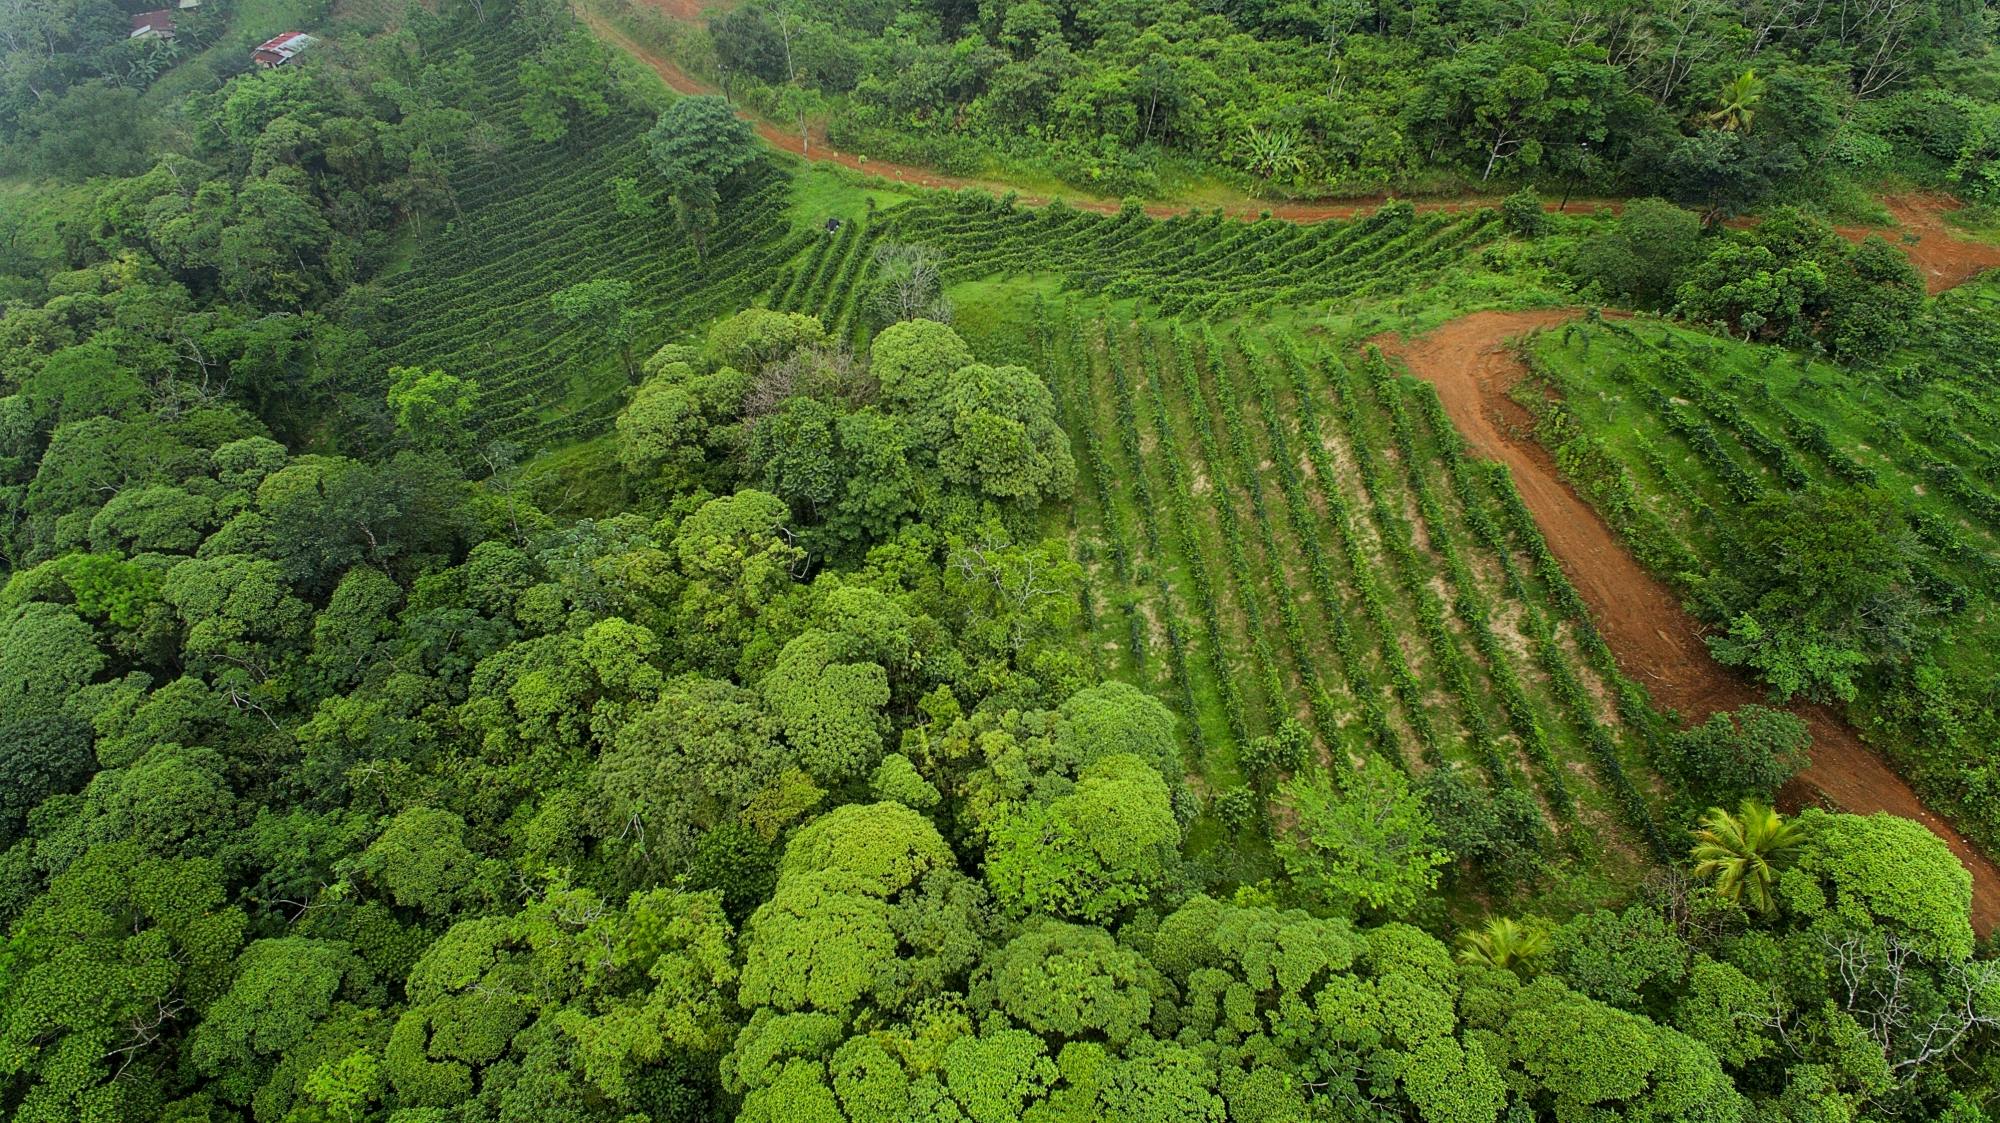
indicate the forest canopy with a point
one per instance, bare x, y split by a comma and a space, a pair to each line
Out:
1720, 105
519, 603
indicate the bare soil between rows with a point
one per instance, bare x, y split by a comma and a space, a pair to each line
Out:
1655, 640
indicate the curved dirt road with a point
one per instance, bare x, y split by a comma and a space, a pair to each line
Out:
788, 140
1943, 258
1655, 640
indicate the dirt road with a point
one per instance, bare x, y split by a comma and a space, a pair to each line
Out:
1939, 253
1656, 642
1943, 258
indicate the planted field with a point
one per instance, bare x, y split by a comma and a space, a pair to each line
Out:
830, 279
1676, 435
1201, 264
1277, 531
537, 217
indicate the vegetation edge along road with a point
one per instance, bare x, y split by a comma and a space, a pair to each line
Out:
1466, 359
1469, 362
1943, 258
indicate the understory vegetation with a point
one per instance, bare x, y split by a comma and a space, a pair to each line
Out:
1335, 96
520, 603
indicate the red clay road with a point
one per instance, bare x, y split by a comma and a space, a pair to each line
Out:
1654, 639
1939, 254
1942, 258
1656, 642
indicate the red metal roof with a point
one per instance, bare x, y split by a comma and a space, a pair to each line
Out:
161, 21
281, 48
283, 44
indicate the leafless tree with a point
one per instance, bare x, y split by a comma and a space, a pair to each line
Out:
1663, 53
1913, 1015
1774, 19
1024, 581
830, 373
1879, 34
909, 282
146, 1029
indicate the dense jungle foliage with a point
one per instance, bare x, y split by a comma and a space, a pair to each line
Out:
519, 604
1311, 96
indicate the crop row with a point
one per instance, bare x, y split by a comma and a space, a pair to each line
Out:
1946, 456
1470, 606
1306, 534
1195, 558
1200, 264
1630, 699
1360, 566
1175, 352
1071, 387
1133, 470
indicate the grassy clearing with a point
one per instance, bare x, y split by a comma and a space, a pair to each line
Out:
822, 191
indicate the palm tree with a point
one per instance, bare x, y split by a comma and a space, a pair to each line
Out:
1736, 105
1503, 943
1743, 852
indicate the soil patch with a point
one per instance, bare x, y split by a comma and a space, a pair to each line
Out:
687, 11
1655, 640
1939, 253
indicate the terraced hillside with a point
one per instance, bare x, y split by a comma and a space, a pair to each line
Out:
830, 280
535, 217
1676, 435
1200, 264
1280, 530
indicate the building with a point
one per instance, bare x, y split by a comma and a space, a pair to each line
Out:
184, 5
157, 24
281, 49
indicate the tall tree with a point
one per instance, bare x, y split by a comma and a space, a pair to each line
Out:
698, 145
1368, 842
1736, 106
603, 306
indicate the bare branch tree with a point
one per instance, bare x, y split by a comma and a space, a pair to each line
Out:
909, 283
1913, 1016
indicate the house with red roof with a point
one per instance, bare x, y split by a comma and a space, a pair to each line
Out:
281, 49
158, 24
